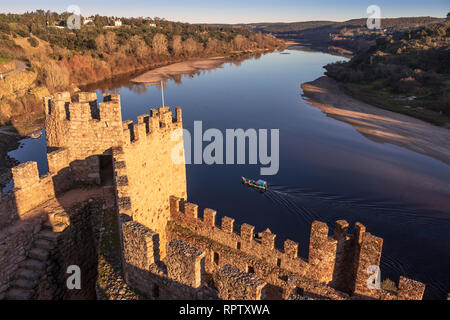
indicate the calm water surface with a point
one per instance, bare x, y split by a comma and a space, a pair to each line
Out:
328, 171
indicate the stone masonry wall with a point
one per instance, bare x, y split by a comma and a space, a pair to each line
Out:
145, 173
185, 264
180, 277
80, 126
30, 189
234, 284
322, 247
337, 262
15, 243
36, 251
76, 245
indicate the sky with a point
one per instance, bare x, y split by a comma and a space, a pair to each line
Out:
238, 11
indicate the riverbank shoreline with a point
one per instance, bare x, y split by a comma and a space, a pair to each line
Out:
378, 124
157, 75
167, 71
325, 48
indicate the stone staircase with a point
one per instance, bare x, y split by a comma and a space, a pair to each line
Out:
34, 267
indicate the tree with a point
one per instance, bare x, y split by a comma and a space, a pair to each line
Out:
239, 42
159, 44
100, 42
190, 46
110, 42
138, 47
177, 45
33, 42
56, 77
212, 45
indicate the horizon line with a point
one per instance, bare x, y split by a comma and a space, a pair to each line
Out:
224, 23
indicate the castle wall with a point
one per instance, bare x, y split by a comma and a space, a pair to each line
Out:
339, 262
179, 278
80, 126
146, 175
322, 247
72, 245
280, 282
76, 245
234, 284
185, 264
8, 212
30, 189
15, 243
347, 255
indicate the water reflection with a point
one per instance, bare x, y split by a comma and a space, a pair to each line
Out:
123, 81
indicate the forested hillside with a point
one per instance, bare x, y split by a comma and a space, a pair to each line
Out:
408, 72
352, 35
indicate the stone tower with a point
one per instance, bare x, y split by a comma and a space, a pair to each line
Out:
144, 171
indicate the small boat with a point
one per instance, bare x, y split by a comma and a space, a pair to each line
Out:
259, 184
36, 135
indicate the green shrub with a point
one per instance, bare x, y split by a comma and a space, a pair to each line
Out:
33, 42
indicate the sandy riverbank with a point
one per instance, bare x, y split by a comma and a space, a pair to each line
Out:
377, 124
163, 73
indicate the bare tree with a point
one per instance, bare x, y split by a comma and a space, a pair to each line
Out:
259, 39
159, 44
177, 45
138, 47
212, 45
100, 42
56, 77
240, 42
190, 46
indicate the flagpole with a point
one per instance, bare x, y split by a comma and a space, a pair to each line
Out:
162, 93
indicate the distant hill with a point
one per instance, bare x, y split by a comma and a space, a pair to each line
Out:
293, 27
406, 71
350, 35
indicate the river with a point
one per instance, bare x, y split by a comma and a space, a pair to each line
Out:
328, 171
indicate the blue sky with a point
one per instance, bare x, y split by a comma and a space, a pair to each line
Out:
238, 11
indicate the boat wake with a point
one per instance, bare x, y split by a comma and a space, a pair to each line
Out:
293, 204
309, 203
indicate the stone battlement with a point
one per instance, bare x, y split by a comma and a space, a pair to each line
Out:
167, 250
83, 107
340, 261
159, 121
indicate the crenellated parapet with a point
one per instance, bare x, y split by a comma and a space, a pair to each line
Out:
185, 264
358, 259
246, 241
83, 125
146, 171
233, 284
32, 189
340, 261
160, 121
83, 106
